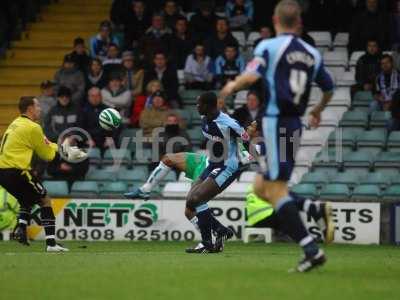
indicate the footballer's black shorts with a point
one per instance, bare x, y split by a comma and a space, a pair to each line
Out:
23, 186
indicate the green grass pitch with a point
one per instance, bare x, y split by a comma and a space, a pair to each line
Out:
161, 270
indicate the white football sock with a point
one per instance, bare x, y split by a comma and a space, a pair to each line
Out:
195, 221
155, 177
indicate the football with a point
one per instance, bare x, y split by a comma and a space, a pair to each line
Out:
110, 119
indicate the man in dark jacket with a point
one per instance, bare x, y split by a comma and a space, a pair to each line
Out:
182, 43
370, 24
80, 56
216, 44
368, 66
61, 116
249, 112
168, 77
138, 20
203, 22
171, 13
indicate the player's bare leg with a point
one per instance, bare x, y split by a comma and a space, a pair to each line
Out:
168, 162
197, 207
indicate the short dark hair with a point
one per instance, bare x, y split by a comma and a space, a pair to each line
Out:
210, 98
25, 102
64, 91
79, 41
388, 56
159, 52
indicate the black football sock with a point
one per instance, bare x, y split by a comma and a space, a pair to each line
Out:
49, 224
205, 224
291, 223
310, 206
23, 217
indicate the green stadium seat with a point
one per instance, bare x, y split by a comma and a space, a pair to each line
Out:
354, 119
85, 189
351, 177
142, 156
379, 119
113, 189
185, 115
372, 141
369, 192
194, 115
56, 188
392, 193
393, 142
102, 175
318, 178
190, 96
387, 160
128, 133
358, 159
326, 159
305, 189
117, 156
362, 99
344, 138
195, 135
335, 192
137, 174
377, 178
94, 155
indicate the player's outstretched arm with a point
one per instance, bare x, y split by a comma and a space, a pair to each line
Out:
241, 82
43, 148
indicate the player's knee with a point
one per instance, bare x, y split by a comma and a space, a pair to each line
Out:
192, 201
166, 160
45, 202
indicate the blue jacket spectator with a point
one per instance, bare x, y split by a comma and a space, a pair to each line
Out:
99, 43
228, 66
239, 12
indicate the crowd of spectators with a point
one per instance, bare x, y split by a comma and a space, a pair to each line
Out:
131, 64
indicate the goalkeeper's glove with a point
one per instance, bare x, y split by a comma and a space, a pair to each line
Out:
72, 153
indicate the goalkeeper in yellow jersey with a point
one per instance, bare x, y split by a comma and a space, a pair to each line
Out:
23, 137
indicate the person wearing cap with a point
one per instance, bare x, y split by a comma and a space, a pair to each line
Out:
133, 74
154, 116
69, 76
61, 116
115, 95
99, 43
47, 98
80, 56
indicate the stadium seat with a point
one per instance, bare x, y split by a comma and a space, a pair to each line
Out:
117, 156
347, 79
351, 177
335, 58
341, 39
56, 188
247, 176
94, 156
113, 189
366, 192
139, 173
103, 175
253, 36
185, 115
357, 159
190, 96
85, 189
305, 189
362, 99
240, 36
393, 143
195, 135
344, 137
387, 160
317, 178
335, 192
127, 136
176, 189
380, 119
143, 156
327, 159
372, 141
354, 119
341, 97
355, 56
377, 178
321, 38
392, 193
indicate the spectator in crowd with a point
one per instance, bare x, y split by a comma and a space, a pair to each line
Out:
47, 98
198, 74
228, 65
60, 169
80, 56
100, 42
249, 112
387, 84
181, 42
168, 76
394, 122
240, 14
396, 56
265, 33
368, 67
157, 38
133, 75
115, 95
154, 116
61, 116
174, 138
171, 13
112, 63
395, 25
370, 24
69, 75
96, 76
138, 20
141, 100
90, 120
203, 22
216, 44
